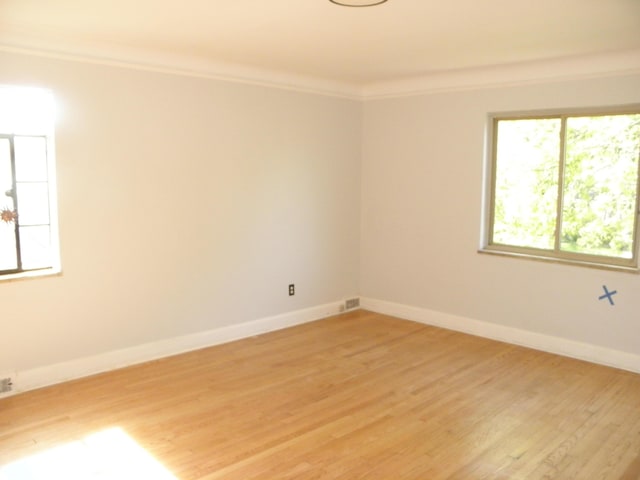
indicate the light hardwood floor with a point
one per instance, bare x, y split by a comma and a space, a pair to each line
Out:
356, 396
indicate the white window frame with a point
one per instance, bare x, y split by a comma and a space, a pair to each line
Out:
33, 101
553, 255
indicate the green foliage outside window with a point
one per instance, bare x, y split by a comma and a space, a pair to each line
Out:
567, 184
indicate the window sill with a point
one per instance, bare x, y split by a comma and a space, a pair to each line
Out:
48, 272
562, 261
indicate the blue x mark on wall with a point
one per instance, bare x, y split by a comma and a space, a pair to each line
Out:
608, 295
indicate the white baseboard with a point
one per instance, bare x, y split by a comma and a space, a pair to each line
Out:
525, 338
82, 367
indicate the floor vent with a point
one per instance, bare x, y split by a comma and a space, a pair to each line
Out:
6, 385
352, 303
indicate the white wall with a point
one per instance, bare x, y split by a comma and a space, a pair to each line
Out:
185, 205
422, 192
188, 205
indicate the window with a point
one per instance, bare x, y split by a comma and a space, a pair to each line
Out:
28, 233
565, 187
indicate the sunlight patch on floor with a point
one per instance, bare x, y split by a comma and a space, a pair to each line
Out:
107, 455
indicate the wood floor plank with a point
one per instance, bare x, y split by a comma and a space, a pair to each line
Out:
360, 395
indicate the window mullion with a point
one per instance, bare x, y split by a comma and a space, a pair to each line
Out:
494, 170
561, 168
14, 196
636, 225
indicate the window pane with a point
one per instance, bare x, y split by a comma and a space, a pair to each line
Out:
33, 203
6, 179
31, 159
8, 254
526, 191
35, 247
26, 110
601, 176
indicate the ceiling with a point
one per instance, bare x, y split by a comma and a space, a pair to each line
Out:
318, 42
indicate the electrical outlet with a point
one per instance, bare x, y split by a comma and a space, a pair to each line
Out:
292, 289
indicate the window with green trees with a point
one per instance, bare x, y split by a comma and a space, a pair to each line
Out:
566, 187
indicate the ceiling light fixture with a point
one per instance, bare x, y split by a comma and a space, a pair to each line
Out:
358, 3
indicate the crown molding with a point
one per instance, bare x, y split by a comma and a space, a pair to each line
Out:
195, 68
517, 74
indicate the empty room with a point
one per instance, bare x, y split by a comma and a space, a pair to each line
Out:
319, 239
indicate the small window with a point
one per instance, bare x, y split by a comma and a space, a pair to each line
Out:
28, 233
565, 187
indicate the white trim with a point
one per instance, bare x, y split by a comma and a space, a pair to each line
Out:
226, 72
48, 375
507, 75
82, 367
538, 341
